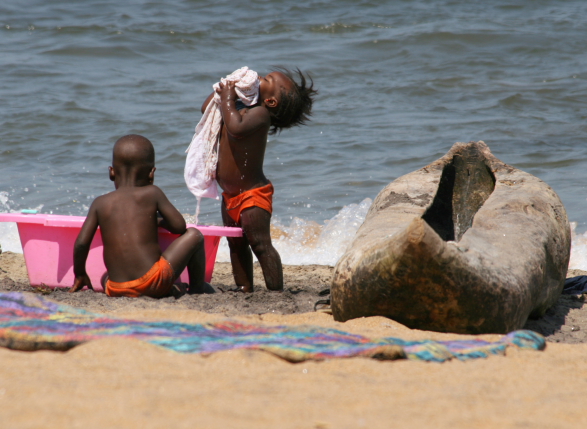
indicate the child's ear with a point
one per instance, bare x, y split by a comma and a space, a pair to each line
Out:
111, 173
152, 175
271, 102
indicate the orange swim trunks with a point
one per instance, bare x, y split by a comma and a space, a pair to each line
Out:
259, 197
156, 283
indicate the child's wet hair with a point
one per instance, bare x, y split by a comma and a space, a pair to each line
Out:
294, 107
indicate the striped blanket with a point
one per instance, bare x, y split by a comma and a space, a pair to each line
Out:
31, 322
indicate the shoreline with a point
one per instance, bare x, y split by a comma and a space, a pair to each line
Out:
565, 322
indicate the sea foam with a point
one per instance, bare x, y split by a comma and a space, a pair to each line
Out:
305, 242
578, 249
9, 239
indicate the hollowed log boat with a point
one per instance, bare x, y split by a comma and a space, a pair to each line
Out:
467, 244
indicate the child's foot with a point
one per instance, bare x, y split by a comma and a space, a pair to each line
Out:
245, 289
179, 290
204, 288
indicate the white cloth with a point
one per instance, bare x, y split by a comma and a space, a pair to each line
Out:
202, 153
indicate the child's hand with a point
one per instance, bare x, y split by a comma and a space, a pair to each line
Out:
227, 91
80, 282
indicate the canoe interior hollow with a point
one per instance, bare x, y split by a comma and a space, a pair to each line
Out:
465, 184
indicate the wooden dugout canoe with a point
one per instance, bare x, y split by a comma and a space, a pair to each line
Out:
467, 244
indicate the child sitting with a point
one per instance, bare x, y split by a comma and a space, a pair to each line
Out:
128, 220
242, 138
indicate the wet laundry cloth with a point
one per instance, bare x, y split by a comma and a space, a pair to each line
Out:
156, 283
202, 153
575, 285
259, 197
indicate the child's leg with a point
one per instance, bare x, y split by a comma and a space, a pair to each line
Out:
188, 251
241, 257
256, 227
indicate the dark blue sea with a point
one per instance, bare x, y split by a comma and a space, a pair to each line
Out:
399, 83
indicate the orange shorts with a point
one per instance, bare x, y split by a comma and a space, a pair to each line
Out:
259, 197
156, 283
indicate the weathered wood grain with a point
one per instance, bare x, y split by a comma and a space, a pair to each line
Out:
467, 244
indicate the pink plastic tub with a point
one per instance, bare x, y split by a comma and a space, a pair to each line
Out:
47, 243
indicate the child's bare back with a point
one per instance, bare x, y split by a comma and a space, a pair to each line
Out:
128, 220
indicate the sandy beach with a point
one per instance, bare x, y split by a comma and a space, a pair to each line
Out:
131, 384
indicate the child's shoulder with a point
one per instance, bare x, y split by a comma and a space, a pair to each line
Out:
152, 189
149, 191
132, 198
103, 201
139, 190
259, 112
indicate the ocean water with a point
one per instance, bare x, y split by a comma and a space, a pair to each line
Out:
399, 83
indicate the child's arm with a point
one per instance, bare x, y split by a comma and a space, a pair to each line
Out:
208, 100
237, 125
81, 249
171, 219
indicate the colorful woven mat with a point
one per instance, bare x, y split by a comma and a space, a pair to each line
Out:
30, 322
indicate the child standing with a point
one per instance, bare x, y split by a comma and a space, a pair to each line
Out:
128, 220
242, 139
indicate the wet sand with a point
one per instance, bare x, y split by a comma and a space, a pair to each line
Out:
130, 384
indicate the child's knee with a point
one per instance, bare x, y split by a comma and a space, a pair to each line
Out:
194, 235
259, 247
237, 242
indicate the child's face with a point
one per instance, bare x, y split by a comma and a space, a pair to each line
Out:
270, 86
